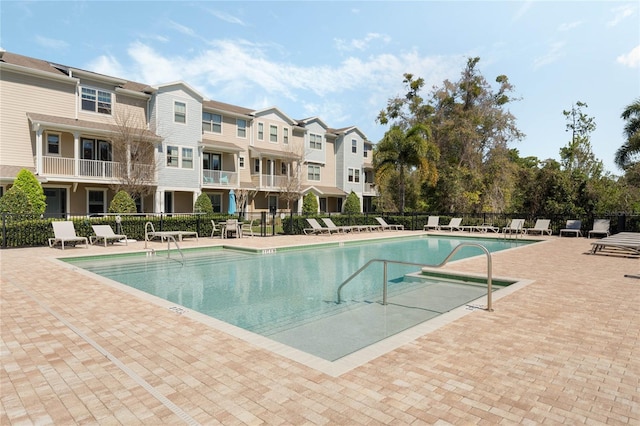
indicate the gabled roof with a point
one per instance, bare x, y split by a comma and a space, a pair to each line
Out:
346, 130
308, 120
185, 85
324, 190
277, 111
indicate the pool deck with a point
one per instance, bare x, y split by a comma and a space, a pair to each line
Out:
563, 349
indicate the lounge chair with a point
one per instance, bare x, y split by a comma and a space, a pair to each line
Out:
385, 225
485, 227
247, 228
433, 222
150, 233
330, 225
541, 226
65, 232
515, 227
454, 224
624, 243
572, 227
316, 228
106, 234
600, 227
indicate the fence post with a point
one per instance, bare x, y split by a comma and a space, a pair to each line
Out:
4, 230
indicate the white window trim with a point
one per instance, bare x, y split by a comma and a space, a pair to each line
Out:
273, 126
242, 163
356, 151
260, 136
185, 112
319, 172
315, 143
221, 122
95, 189
97, 89
353, 171
285, 135
246, 127
46, 141
180, 157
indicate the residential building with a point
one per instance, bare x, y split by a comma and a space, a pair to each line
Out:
74, 129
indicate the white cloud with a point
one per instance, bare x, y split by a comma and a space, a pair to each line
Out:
227, 17
181, 28
621, 13
555, 52
360, 44
631, 59
107, 65
51, 43
567, 26
522, 10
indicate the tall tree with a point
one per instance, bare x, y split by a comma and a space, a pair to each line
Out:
403, 153
577, 156
631, 148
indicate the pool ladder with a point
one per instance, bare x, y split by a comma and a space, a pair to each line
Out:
444, 262
169, 239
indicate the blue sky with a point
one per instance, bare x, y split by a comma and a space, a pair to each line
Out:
342, 61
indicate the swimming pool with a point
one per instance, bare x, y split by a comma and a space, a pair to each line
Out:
289, 295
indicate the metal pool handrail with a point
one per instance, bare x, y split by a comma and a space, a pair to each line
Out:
444, 262
169, 239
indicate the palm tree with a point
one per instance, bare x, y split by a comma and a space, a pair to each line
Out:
631, 147
405, 153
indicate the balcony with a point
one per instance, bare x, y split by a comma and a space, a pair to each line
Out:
95, 170
216, 178
369, 189
273, 182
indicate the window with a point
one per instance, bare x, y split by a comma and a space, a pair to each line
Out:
180, 112
211, 161
241, 162
216, 202
283, 169
256, 165
315, 141
53, 144
367, 148
354, 175
285, 135
96, 201
261, 131
242, 128
354, 146
211, 122
273, 133
96, 100
187, 158
313, 172
96, 149
172, 156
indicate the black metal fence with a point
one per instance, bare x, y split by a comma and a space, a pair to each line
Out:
32, 231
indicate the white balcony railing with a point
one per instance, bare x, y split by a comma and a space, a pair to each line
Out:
369, 188
270, 181
94, 169
219, 177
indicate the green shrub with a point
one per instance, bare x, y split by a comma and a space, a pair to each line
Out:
203, 204
309, 204
122, 203
352, 204
15, 201
28, 183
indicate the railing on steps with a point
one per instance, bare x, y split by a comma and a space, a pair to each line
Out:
444, 262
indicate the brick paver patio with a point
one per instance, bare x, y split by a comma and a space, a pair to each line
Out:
564, 349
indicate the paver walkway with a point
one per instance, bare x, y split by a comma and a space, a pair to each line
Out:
564, 349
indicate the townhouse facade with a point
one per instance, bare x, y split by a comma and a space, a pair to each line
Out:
71, 127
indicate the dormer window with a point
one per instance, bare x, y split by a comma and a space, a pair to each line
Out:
95, 100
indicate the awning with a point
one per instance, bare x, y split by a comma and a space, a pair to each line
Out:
221, 146
325, 190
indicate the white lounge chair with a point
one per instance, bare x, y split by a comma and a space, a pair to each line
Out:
572, 227
433, 222
624, 243
330, 225
454, 224
65, 232
541, 226
106, 234
515, 227
316, 228
600, 227
385, 225
163, 235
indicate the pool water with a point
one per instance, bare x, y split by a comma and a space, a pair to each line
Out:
290, 296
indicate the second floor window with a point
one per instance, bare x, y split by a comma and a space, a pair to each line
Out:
96, 100
260, 131
180, 112
285, 136
241, 162
354, 175
211, 122
179, 157
187, 158
315, 141
273, 133
53, 144
242, 128
313, 172
354, 146
172, 156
